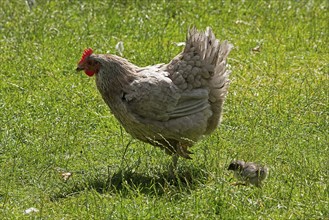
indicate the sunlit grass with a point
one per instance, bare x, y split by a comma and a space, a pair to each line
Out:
53, 120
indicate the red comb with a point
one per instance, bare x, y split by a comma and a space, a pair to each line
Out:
86, 54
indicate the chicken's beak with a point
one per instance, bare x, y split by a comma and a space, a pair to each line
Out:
79, 68
231, 167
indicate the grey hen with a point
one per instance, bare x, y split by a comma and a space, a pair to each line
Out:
167, 105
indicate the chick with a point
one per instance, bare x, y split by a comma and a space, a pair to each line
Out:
248, 172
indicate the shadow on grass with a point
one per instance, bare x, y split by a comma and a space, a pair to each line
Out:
128, 182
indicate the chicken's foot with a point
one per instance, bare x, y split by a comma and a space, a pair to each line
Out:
239, 184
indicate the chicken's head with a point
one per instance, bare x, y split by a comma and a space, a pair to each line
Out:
88, 63
236, 165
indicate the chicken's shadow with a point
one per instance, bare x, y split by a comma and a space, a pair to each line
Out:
123, 182
158, 184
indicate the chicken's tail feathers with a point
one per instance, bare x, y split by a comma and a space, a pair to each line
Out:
264, 171
213, 54
207, 46
202, 64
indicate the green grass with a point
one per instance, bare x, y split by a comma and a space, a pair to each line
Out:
53, 119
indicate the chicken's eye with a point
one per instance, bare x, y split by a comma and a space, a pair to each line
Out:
89, 62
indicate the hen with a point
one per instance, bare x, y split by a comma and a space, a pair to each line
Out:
167, 105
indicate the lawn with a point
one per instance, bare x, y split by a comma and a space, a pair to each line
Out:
54, 121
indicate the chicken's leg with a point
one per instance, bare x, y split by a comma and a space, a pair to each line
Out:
173, 165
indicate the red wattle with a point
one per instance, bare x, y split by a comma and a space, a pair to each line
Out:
89, 72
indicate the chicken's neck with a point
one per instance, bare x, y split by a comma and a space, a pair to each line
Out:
113, 78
